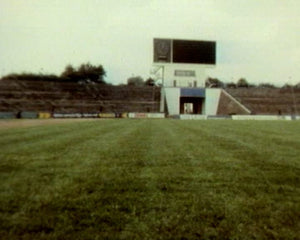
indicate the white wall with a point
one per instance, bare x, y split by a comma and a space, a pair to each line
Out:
260, 117
169, 69
172, 96
212, 98
192, 117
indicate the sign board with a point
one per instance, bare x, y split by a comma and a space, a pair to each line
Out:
162, 50
185, 73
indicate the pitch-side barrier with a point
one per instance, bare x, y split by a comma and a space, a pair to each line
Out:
261, 117
146, 115
235, 117
7, 115
136, 115
192, 117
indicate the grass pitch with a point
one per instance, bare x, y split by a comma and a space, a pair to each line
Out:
151, 179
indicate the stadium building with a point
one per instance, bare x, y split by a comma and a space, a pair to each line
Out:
182, 65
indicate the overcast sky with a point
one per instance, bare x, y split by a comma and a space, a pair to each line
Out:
258, 40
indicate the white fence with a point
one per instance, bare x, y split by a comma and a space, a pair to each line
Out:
261, 117
192, 117
236, 117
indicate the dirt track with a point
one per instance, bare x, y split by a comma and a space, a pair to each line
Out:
19, 123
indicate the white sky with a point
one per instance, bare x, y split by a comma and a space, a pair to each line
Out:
256, 39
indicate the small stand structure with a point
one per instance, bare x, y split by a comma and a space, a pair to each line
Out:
182, 65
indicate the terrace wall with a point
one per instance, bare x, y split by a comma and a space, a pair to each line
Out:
228, 105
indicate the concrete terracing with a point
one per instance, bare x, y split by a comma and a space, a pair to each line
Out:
70, 97
268, 101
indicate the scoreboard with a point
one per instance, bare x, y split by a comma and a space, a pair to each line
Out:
184, 51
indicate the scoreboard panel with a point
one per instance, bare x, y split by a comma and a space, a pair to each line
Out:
199, 52
184, 51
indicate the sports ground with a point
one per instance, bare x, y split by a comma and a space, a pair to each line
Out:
149, 179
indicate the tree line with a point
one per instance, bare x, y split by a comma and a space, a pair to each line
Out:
243, 83
86, 72
212, 83
139, 81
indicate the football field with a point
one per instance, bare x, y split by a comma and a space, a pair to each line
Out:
150, 179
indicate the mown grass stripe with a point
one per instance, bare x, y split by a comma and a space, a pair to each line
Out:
151, 179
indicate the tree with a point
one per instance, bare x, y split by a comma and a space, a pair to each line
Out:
69, 71
287, 86
266, 85
242, 82
135, 81
150, 82
31, 77
214, 83
85, 72
231, 85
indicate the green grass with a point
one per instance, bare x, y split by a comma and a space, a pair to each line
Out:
151, 179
